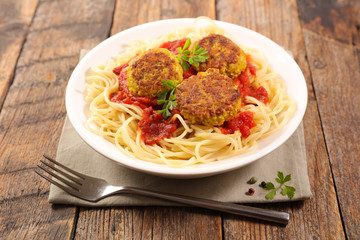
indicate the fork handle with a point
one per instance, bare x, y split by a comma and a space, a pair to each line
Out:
247, 211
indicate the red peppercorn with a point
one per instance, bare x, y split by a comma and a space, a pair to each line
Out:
251, 191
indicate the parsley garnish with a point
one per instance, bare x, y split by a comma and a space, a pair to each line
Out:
193, 57
287, 190
169, 103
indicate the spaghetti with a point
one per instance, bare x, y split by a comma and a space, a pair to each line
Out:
190, 143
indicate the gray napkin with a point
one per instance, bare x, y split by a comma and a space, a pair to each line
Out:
290, 158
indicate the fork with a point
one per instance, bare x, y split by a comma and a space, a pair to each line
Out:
94, 189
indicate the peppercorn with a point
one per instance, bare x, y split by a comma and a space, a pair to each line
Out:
252, 180
250, 192
263, 184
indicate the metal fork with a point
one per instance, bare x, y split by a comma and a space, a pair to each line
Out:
93, 189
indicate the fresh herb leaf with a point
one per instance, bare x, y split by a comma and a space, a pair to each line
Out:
289, 191
193, 57
278, 180
280, 175
271, 195
286, 190
169, 103
287, 178
269, 186
169, 84
162, 97
187, 44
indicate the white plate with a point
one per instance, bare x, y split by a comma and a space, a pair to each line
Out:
278, 58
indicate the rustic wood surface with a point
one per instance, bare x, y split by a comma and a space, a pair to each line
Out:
39, 47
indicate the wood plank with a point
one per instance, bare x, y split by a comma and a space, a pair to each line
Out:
131, 13
147, 222
186, 223
33, 112
332, 45
331, 19
318, 217
15, 18
31, 217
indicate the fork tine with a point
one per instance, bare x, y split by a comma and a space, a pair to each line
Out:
66, 189
64, 167
63, 180
76, 180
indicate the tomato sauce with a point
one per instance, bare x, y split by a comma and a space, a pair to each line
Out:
245, 89
154, 127
119, 69
173, 46
188, 73
124, 95
243, 123
251, 67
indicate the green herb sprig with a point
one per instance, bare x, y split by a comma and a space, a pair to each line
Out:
188, 57
286, 190
167, 98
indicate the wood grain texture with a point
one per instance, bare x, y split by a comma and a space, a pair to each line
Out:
279, 21
33, 112
15, 19
332, 47
131, 13
148, 223
31, 217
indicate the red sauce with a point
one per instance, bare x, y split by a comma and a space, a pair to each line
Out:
119, 69
154, 127
188, 73
243, 123
124, 95
173, 46
245, 89
251, 67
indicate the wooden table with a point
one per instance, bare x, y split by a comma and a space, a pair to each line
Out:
39, 47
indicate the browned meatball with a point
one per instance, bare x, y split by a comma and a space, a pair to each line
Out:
208, 98
146, 71
224, 55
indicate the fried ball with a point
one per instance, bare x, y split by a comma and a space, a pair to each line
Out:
224, 55
208, 98
146, 71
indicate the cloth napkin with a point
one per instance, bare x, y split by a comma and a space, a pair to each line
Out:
290, 158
